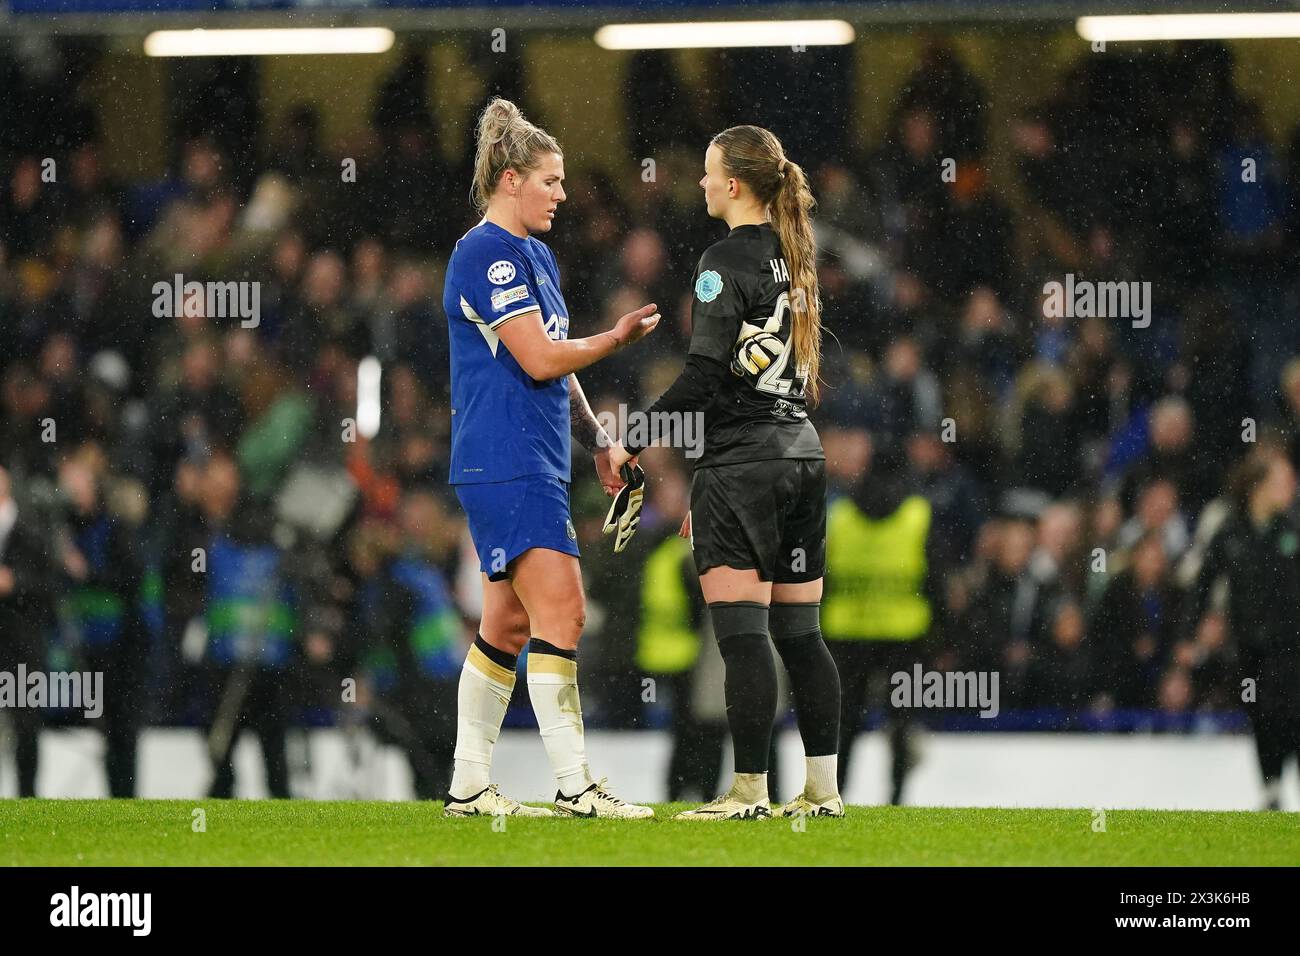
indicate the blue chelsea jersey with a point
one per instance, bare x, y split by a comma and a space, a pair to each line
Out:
504, 424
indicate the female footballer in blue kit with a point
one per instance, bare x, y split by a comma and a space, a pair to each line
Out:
515, 403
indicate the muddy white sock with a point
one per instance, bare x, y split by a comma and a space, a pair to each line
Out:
750, 787
819, 784
553, 690
487, 680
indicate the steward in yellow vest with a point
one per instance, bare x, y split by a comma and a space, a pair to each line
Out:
670, 640
879, 600
875, 572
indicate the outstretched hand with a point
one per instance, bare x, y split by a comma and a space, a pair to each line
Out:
636, 325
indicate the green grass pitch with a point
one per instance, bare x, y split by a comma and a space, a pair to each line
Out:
289, 832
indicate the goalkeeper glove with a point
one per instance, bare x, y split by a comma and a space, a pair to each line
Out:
625, 513
755, 354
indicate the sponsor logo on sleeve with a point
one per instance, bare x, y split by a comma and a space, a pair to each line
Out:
503, 297
557, 327
501, 272
708, 286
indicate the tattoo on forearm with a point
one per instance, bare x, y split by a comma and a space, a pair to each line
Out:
581, 421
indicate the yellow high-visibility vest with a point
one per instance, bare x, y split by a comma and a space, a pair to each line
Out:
875, 573
667, 642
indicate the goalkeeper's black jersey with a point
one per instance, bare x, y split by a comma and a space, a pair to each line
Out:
742, 286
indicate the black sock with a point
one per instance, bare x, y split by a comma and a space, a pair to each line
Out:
814, 680
495, 654
538, 646
750, 685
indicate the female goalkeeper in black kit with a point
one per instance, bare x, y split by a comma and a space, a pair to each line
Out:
758, 499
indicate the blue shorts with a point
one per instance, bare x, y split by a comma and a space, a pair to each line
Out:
507, 518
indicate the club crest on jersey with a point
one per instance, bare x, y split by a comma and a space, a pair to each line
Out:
501, 272
708, 286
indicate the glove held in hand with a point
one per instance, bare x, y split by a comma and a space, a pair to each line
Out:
625, 512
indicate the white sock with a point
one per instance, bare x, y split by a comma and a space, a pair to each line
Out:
820, 784
553, 690
1273, 793
481, 702
750, 787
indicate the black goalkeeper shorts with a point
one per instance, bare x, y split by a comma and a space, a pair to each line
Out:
765, 515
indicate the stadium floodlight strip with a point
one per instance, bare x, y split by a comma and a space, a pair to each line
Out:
726, 33
1190, 26
270, 42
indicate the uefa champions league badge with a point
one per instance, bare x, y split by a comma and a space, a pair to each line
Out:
708, 286
501, 272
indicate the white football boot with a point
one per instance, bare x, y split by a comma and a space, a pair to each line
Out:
597, 801
728, 807
491, 803
801, 806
